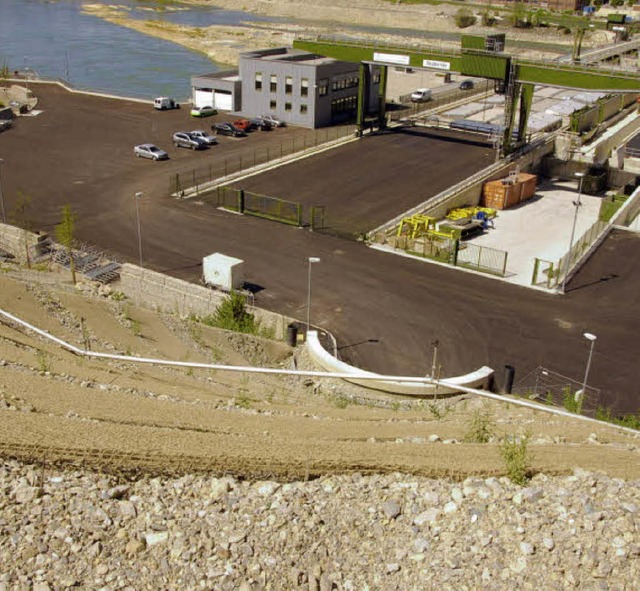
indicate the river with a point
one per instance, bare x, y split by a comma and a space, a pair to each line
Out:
56, 39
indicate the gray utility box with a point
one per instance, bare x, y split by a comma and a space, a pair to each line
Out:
225, 272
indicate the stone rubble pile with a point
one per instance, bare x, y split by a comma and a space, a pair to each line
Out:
62, 529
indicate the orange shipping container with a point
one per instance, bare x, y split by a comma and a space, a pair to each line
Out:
503, 193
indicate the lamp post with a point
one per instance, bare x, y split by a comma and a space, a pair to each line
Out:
4, 216
311, 261
592, 338
567, 265
138, 196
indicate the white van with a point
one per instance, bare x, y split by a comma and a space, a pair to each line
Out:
162, 103
422, 95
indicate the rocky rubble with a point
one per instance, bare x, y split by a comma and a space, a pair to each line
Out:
63, 529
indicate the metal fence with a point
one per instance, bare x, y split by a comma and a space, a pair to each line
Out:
272, 208
193, 179
241, 201
581, 245
482, 258
323, 222
549, 387
431, 247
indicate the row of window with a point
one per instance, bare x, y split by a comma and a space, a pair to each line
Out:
273, 105
323, 85
344, 104
288, 84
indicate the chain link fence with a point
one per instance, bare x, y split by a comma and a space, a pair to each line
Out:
196, 179
482, 258
549, 387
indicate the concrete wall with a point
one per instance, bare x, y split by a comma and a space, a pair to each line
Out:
15, 241
155, 290
472, 194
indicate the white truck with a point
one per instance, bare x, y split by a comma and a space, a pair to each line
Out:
163, 103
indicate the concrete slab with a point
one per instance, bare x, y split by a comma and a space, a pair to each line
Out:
463, 111
540, 227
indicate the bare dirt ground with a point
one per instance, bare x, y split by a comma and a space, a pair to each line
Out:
116, 415
328, 17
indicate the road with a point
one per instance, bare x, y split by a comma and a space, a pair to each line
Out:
384, 310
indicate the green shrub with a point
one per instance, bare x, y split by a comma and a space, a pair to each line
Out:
232, 314
464, 18
571, 402
515, 454
480, 428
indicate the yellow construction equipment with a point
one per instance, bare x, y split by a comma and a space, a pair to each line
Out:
416, 225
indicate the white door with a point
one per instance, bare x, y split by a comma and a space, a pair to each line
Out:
223, 100
203, 98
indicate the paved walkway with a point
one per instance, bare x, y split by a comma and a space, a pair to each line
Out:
540, 227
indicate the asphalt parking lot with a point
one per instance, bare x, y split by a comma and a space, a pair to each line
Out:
384, 310
366, 183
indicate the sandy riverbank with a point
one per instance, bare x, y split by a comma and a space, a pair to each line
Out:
223, 44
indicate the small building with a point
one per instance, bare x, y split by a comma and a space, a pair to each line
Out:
219, 89
300, 87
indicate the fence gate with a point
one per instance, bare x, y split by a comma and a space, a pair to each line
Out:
545, 274
317, 217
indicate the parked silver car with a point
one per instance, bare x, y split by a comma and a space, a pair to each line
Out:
210, 140
183, 139
150, 151
273, 120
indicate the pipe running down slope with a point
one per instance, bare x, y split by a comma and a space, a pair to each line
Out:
354, 375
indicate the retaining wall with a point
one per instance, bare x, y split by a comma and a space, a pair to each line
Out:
151, 289
472, 194
16, 241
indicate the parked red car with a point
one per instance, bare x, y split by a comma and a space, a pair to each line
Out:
244, 125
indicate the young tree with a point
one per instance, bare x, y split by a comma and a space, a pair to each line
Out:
20, 217
232, 315
65, 236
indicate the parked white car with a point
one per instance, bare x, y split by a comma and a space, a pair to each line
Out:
204, 136
205, 111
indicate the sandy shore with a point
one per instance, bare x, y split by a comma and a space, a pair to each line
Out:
223, 44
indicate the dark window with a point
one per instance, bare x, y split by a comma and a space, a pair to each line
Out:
288, 85
303, 109
273, 86
304, 87
258, 80
287, 106
272, 105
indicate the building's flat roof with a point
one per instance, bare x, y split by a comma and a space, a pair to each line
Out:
288, 54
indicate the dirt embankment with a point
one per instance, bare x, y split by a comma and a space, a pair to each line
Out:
223, 43
58, 407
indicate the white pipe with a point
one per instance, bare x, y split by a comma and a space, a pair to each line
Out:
315, 374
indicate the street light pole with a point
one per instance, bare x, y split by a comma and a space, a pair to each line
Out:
567, 265
138, 196
4, 216
592, 338
311, 260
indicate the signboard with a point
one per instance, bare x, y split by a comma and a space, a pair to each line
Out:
436, 65
391, 58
